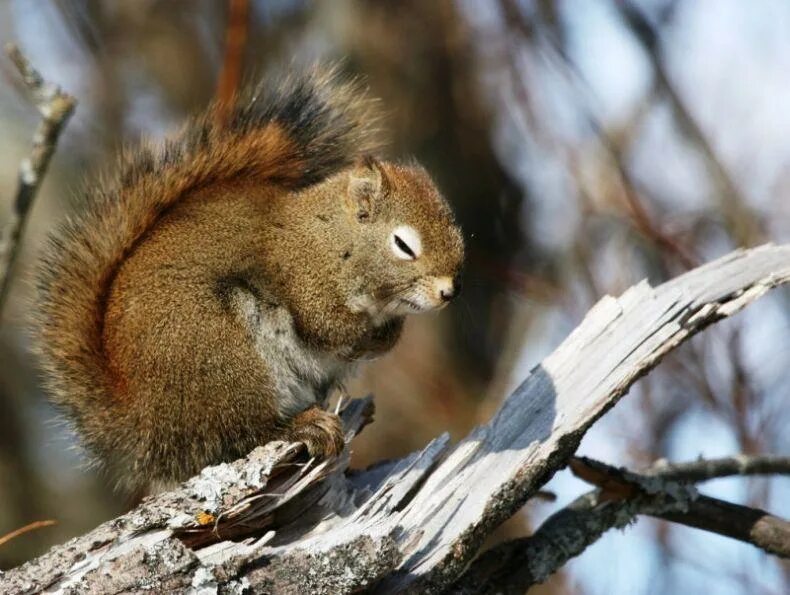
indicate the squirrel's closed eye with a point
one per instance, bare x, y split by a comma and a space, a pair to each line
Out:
404, 247
405, 242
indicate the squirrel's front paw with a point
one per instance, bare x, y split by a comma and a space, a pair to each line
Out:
320, 431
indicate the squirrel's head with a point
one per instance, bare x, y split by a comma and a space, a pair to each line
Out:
411, 250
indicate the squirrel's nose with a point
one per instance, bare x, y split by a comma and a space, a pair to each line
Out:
450, 292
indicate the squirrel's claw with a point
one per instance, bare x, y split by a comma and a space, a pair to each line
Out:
320, 431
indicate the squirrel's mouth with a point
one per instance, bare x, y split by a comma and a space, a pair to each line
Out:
417, 307
411, 305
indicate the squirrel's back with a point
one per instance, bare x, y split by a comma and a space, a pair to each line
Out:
291, 134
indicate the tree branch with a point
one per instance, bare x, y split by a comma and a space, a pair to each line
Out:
750, 525
236, 32
55, 107
517, 565
740, 218
413, 524
705, 469
681, 503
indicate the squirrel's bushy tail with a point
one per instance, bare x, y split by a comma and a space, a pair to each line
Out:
293, 133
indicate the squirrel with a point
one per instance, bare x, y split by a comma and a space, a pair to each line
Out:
217, 288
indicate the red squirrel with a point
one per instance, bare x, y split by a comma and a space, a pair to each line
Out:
218, 287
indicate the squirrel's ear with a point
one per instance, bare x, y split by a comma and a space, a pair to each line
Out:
367, 185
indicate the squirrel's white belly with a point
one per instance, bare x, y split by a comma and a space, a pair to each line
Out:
301, 376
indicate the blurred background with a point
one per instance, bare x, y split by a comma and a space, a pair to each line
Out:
585, 145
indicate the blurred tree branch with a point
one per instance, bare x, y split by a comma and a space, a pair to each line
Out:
55, 107
27, 528
705, 469
614, 144
740, 219
233, 62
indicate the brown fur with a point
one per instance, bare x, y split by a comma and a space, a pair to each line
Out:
215, 291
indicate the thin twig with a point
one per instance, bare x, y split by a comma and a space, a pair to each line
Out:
638, 213
55, 107
740, 218
232, 66
22, 530
704, 469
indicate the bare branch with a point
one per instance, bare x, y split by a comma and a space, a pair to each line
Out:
740, 218
679, 502
413, 524
639, 214
750, 525
236, 32
704, 469
55, 107
516, 565
26, 529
